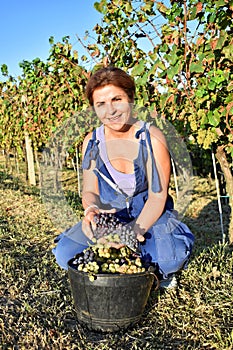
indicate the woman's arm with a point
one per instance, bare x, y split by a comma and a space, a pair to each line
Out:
155, 203
90, 194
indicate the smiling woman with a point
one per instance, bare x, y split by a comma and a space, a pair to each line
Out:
126, 170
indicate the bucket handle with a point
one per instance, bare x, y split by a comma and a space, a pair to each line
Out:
157, 280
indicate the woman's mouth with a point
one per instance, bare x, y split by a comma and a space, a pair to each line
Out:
113, 119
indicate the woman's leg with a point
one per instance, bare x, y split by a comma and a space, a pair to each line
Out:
71, 242
169, 244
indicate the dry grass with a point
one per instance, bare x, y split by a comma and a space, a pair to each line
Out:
36, 307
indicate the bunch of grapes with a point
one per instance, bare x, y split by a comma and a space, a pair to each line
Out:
108, 224
102, 258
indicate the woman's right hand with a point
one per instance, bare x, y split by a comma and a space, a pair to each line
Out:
88, 223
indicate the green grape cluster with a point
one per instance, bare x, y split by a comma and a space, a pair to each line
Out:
102, 258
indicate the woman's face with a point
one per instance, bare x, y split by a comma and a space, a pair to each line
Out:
112, 106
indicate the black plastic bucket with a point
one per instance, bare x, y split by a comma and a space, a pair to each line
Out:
112, 301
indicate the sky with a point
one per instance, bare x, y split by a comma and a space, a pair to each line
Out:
26, 26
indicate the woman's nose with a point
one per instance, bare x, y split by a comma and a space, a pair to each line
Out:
111, 109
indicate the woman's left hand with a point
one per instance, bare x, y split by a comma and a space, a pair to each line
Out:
139, 232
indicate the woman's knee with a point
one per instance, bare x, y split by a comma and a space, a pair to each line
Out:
65, 250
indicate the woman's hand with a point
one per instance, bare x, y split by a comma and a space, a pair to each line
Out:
139, 232
88, 223
115, 245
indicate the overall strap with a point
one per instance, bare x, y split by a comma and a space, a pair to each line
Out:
94, 135
109, 181
92, 151
148, 138
155, 181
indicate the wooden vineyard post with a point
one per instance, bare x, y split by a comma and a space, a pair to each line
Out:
30, 160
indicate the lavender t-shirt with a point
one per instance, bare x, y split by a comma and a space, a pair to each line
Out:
126, 182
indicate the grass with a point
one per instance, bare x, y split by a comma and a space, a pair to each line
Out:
36, 307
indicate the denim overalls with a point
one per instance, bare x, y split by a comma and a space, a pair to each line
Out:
168, 242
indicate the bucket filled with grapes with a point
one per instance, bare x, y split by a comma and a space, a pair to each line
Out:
110, 285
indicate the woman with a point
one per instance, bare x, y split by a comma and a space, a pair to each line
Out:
126, 170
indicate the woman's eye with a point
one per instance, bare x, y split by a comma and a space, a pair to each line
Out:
100, 104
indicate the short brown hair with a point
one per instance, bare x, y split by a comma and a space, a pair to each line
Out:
110, 75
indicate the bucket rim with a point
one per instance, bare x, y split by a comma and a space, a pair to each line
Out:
112, 275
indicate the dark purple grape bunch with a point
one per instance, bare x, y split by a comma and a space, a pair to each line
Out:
88, 255
108, 224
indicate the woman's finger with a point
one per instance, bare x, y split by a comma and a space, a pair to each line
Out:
109, 211
140, 238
